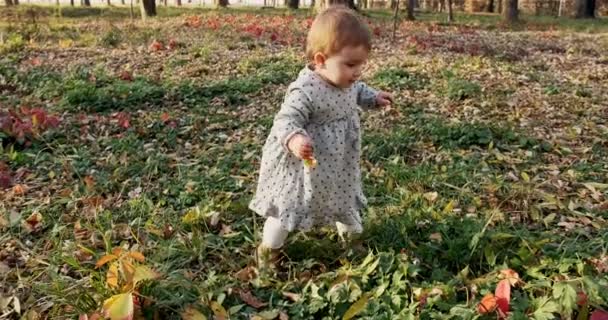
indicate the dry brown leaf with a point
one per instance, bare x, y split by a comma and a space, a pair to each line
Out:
250, 299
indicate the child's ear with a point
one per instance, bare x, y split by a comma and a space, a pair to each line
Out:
319, 59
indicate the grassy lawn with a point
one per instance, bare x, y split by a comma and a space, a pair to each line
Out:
144, 141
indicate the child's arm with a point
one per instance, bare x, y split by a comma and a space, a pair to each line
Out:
290, 122
369, 98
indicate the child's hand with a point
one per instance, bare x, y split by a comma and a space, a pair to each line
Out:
301, 146
384, 99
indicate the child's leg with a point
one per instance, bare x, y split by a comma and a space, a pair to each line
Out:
273, 235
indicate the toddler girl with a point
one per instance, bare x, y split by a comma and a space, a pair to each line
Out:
310, 175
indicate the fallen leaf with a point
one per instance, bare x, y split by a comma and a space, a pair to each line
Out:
431, 196
503, 295
436, 237
137, 256
156, 46
126, 76
246, 274
487, 304
356, 307
250, 299
190, 313
599, 315
219, 311
119, 307
112, 275
292, 296
283, 316
105, 259
143, 273
89, 182
33, 223
164, 117
510, 275
19, 189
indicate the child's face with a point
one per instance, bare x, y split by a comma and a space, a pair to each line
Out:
343, 68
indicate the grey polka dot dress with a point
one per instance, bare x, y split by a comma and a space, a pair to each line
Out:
303, 198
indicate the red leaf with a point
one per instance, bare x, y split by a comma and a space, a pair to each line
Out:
503, 295
126, 76
156, 46
581, 298
599, 315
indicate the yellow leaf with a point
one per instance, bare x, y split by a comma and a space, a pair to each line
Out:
144, 273
219, 311
525, 176
112, 276
119, 307
105, 259
449, 207
137, 256
356, 307
192, 314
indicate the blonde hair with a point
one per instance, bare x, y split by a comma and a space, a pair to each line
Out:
334, 29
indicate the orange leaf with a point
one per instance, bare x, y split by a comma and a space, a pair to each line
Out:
503, 295
112, 276
137, 256
33, 223
117, 251
105, 259
487, 304
165, 117
19, 189
128, 270
89, 182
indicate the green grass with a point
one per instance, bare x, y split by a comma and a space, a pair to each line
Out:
460, 184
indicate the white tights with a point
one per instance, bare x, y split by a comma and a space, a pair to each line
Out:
274, 236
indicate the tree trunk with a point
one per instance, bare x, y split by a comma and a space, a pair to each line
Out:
72, 3
585, 9
8, 2
510, 13
293, 4
16, 2
147, 8
450, 13
410, 10
122, 2
178, 3
490, 7
222, 3
108, 3
86, 3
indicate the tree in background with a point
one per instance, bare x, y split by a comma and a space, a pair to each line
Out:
510, 13
584, 8
293, 4
410, 10
148, 8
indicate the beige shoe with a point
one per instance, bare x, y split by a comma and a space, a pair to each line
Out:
266, 258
